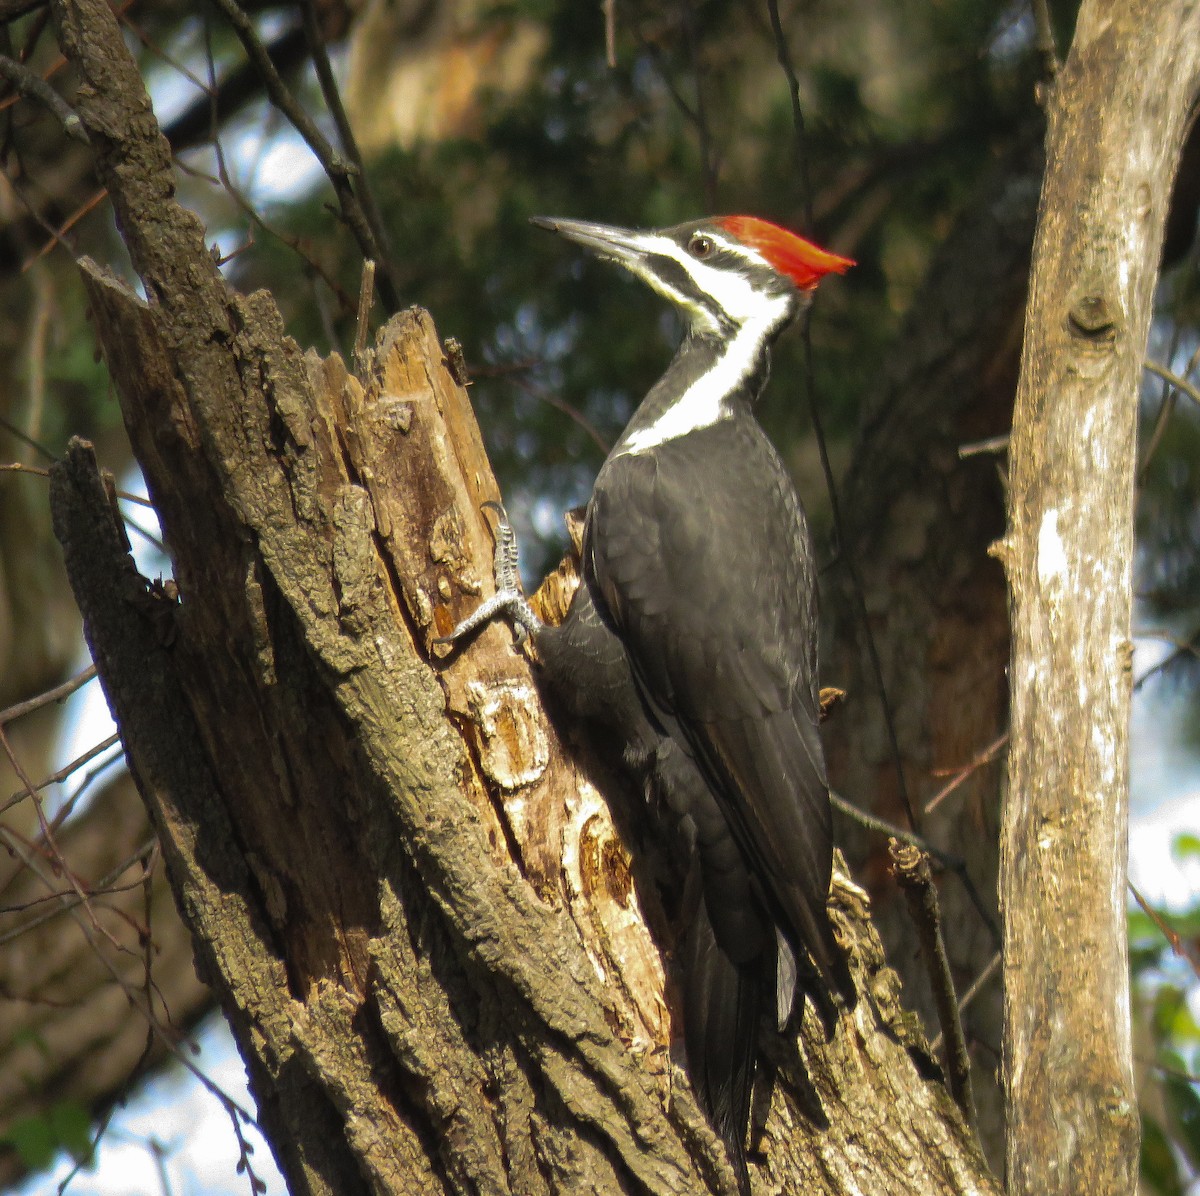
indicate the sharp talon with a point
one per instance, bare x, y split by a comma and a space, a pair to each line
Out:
509, 599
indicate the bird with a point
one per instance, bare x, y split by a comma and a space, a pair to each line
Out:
693, 636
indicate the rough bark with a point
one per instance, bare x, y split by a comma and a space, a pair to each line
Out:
430, 941
1118, 114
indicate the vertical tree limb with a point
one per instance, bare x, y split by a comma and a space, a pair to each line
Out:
1117, 119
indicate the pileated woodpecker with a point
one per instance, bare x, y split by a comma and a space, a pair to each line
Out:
694, 635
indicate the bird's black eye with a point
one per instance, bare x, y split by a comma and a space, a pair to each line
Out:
700, 246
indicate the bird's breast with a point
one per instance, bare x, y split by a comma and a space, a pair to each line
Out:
709, 522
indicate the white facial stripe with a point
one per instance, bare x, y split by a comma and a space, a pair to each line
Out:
705, 401
699, 312
750, 256
733, 295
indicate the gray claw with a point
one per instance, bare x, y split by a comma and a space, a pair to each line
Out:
509, 600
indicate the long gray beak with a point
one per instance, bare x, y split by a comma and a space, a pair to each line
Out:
622, 245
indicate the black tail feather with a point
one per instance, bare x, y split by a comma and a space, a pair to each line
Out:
723, 1006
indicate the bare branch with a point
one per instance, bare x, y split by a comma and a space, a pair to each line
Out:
338, 169
1180, 384
977, 986
988, 754
1044, 40
63, 773
34, 87
51, 695
910, 866
1181, 648
333, 101
1173, 937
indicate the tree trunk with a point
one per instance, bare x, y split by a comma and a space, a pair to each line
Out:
1118, 114
434, 949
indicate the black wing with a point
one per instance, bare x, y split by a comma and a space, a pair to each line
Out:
708, 579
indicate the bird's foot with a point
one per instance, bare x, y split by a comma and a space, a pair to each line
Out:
509, 600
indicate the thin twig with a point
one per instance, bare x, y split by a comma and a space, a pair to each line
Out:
1166, 1070
166, 1036
881, 826
81, 790
150, 44
1165, 411
979, 448
67, 898
338, 170
21, 467
105, 887
226, 181
145, 533
988, 754
91, 775
559, 404
609, 8
1187, 647
856, 584
1181, 384
56, 694
63, 773
910, 866
24, 437
952, 863
1170, 394
677, 97
57, 236
708, 166
34, 87
948, 860
784, 56
58, 862
1172, 936
237, 89
977, 985
333, 101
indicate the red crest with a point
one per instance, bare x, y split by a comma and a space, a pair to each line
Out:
802, 261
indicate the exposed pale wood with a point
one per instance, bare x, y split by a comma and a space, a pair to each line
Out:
1118, 114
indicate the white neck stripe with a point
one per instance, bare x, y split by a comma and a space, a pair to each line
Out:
706, 400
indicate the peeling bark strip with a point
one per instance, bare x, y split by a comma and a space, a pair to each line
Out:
414, 908
1118, 115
